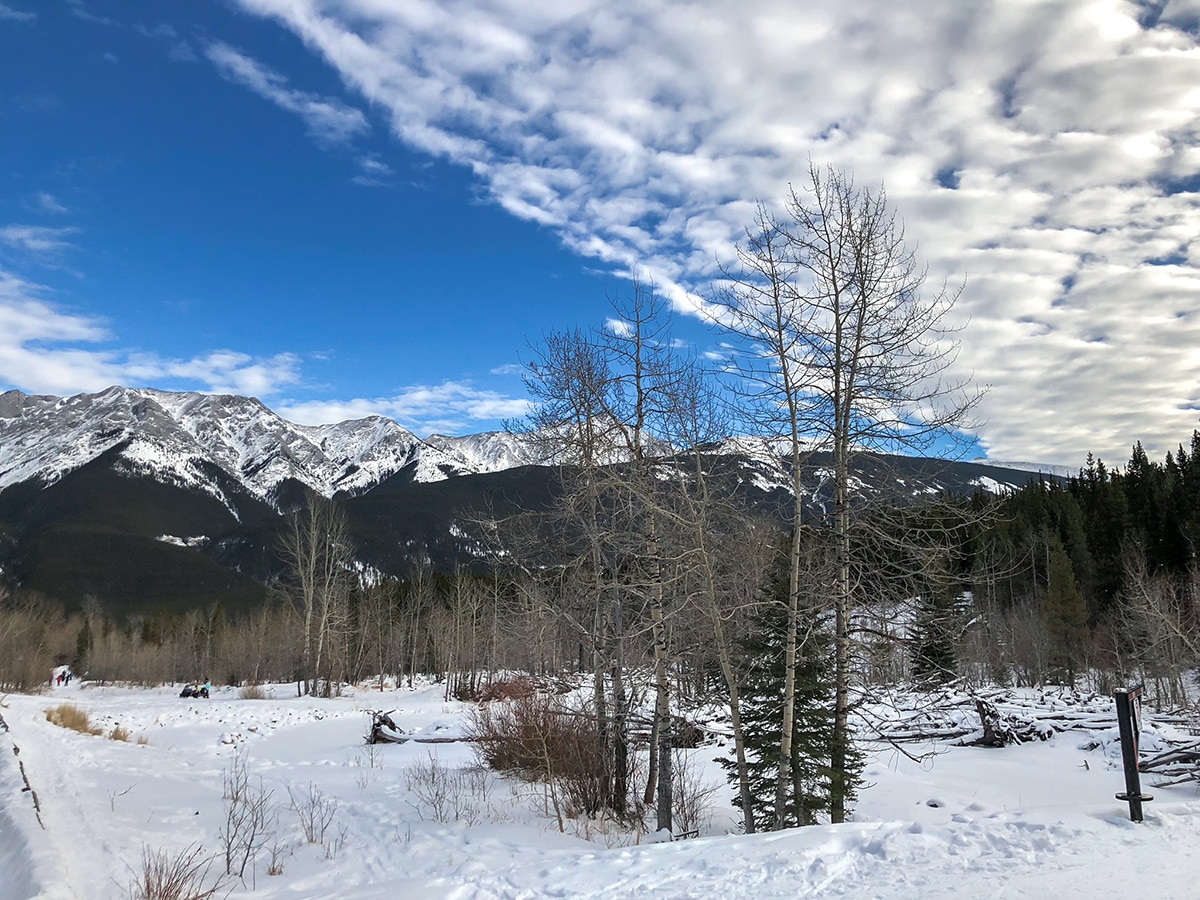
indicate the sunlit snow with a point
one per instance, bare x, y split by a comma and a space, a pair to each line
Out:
1036, 820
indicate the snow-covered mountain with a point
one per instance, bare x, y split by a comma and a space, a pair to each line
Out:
142, 496
179, 438
1040, 468
491, 451
176, 438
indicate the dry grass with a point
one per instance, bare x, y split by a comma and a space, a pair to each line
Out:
142, 740
119, 734
68, 715
180, 877
252, 692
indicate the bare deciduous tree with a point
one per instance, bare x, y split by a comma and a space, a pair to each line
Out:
316, 551
844, 347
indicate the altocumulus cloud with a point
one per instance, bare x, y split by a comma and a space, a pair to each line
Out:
1046, 151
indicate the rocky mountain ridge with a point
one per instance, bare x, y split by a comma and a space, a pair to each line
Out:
144, 498
176, 437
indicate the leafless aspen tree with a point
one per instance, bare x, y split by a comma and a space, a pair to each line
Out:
316, 552
844, 347
602, 400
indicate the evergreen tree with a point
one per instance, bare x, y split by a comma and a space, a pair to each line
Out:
761, 653
1064, 616
935, 631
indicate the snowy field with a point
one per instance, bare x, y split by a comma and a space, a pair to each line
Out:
417, 820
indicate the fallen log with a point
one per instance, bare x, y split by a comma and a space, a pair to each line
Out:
384, 731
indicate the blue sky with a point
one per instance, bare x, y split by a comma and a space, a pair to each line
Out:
154, 195
355, 206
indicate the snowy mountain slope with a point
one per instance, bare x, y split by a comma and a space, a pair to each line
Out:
89, 485
1040, 468
45, 437
175, 438
169, 436
491, 451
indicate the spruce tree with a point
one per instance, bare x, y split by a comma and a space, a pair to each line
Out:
935, 632
1064, 616
761, 652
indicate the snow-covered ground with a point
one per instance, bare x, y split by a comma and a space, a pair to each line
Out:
1036, 820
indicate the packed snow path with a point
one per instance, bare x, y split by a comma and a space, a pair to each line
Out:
1037, 820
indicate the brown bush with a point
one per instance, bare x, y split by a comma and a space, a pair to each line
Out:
119, 734
252, 692
507, 689
180, 877
535, 739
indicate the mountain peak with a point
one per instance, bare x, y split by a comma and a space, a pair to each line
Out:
176, 432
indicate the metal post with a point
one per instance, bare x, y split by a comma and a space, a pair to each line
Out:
1129, 721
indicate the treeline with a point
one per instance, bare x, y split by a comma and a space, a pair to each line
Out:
1095, 574
461, 629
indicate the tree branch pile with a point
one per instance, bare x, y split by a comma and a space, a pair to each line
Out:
1175, 765
988, 718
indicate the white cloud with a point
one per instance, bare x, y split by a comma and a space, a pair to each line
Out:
47, 203
1029, 146
329, 120
181, 51
618, 327
36, 238
448, 407
373, 172
509, 369
7, 13
44, 349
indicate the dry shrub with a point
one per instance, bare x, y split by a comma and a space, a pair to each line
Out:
535, 739
119, 734
250, 818
68, 715
450, 795
692, 796
315, 811
180, 877
518, 688
252, 692
142, 740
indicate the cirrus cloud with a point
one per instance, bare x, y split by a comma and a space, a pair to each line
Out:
329, 120
37, 239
